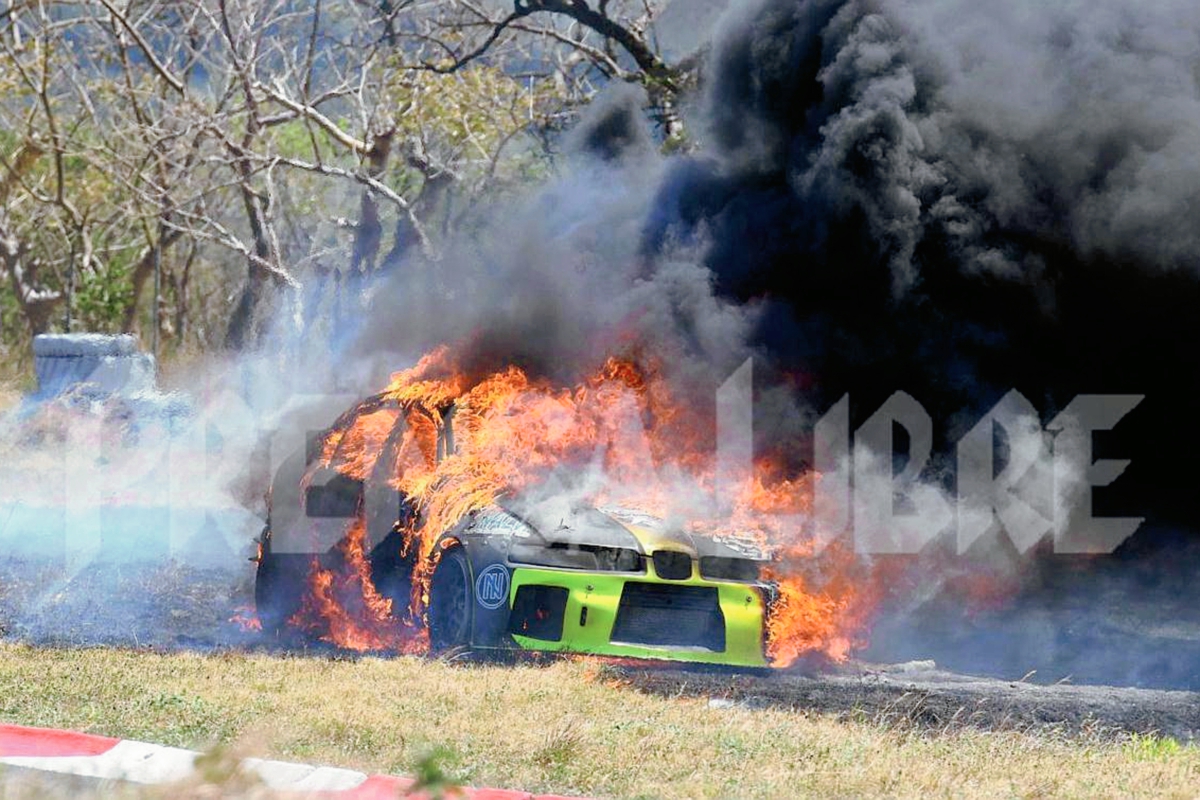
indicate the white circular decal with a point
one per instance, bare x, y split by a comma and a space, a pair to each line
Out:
491, 587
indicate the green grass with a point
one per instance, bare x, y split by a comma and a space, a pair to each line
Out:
1148, 747
563, 727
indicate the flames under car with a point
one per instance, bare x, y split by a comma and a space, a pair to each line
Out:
545, 576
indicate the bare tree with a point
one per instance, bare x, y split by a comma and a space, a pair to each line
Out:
584, 43
236, 154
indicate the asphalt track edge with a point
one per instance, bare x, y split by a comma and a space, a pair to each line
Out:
85, 755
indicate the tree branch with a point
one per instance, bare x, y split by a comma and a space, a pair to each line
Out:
325, 123
371, 183
157, 65
461, 62
653, 67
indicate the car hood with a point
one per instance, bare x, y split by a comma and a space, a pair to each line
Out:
555, 522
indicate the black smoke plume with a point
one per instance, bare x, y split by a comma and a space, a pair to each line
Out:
955, 200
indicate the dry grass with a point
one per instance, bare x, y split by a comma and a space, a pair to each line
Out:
556, 728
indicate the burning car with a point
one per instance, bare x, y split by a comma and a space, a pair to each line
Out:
549, 577
435, 515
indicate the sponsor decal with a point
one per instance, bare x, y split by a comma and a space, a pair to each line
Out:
500, 523
491, 587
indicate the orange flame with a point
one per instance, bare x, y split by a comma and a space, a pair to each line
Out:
344, 607
246, 619
620, 437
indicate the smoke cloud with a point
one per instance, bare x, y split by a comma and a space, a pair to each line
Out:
958, 200
943, 198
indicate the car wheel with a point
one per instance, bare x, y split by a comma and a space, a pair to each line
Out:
279, 586
450, 602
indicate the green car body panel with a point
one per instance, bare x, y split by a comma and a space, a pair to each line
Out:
591, 631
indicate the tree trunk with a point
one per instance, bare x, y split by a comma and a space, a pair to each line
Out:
143, 271
242, 329
37, 304
369, 232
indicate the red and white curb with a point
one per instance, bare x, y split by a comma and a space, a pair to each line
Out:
102, 758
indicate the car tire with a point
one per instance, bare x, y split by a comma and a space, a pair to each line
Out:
451, 601
279, 586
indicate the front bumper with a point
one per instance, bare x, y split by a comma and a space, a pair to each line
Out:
637, 616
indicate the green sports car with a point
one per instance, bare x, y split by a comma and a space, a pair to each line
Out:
544, 576
598, 581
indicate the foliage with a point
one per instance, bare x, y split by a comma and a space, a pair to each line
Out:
1152, 747
246, 153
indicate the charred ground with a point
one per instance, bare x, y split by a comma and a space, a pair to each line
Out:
919, 695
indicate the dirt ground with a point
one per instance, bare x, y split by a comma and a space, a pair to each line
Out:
920, 695
163, 606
